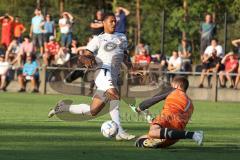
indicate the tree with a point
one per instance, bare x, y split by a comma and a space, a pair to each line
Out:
61, 6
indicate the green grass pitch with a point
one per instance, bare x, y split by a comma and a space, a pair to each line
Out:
27, 134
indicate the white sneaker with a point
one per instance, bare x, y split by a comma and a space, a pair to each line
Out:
51, 113
198, 137
124, 136
61, 106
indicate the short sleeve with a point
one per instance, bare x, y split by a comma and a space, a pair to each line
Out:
36, 64
93, 45
220, 51
207, 51
60, 21
124, 42
170, 60
179, 61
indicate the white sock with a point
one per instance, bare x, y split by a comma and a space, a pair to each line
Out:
80, 109
114, 113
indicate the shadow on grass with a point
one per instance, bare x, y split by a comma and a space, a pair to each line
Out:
62, 126
118, 152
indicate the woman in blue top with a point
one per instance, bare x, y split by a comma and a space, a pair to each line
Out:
49, 28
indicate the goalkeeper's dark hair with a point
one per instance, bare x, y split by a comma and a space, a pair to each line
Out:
106, 15
182, 82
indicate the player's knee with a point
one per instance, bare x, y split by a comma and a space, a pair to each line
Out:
94, 112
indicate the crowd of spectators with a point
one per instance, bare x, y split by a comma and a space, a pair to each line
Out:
26, 51
212, 58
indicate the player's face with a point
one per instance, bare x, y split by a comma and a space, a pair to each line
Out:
109, 24
175, 85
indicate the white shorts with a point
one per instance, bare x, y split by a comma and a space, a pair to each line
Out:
104, 80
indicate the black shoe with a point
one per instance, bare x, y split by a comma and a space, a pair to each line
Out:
231, 86
222, 86
34, 91
22, 90
200, 86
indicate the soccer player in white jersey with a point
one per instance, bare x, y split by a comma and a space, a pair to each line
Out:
110, 47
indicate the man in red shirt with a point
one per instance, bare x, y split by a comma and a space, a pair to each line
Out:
18, 29
51, 50
231, 64
6, 22
143, 58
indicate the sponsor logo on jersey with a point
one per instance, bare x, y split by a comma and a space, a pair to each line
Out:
110, 46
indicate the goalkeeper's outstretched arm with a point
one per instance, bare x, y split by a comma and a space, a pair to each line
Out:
155, 99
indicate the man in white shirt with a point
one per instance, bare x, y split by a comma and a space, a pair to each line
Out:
174, 65
109, 48
65, 24
214, 46
62, 56
175, 62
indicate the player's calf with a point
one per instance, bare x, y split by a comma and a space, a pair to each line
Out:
167, 133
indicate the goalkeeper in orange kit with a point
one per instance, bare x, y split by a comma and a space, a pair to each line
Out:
169, 126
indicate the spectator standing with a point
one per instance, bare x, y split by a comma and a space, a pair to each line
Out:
18, 29
207, 32
97, 24
121, 17
65, 24
231, 65
4, 67
51, 50
184, 51
30, 72
36, 29
6, 22
48, 28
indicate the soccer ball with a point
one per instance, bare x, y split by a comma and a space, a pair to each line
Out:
109, 129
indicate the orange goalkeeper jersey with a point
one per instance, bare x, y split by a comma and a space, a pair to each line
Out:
176, 112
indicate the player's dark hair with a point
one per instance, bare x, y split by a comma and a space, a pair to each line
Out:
26, 36
182, 82
106, 15
214, 39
